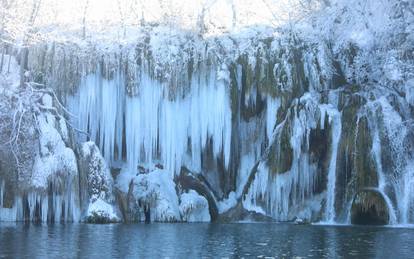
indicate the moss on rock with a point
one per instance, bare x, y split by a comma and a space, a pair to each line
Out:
364, 164
280, 156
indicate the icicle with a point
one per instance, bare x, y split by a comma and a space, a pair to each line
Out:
273, 105
2, 185
45, 208
157, 129
132, 131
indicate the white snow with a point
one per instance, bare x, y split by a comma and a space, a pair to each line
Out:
47, 100
400, 178
54, 157
124, 179
103, 209
156, 191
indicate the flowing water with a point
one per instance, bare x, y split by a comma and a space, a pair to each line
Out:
248, 240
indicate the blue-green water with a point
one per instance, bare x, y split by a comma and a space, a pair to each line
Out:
203, 241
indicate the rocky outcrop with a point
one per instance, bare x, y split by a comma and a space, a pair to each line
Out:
240, 214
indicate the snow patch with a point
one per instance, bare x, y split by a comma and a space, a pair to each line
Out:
54, 157
102, 209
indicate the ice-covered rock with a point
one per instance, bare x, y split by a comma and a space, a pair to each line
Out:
54, 158
101, 212
156, 194
194, 207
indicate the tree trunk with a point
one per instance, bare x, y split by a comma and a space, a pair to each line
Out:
234, 17
83, 29
85, 10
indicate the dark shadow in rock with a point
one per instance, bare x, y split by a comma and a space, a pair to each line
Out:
369, 208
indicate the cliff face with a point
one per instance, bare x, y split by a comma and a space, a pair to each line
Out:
287, 123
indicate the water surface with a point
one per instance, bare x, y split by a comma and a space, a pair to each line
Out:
204, 240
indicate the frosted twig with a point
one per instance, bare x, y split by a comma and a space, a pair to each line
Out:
50, 91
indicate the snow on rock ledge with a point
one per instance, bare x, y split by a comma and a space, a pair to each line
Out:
101, 212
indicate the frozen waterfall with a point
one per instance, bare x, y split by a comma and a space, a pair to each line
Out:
156, 126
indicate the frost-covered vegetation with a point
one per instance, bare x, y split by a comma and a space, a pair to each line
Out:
39, 170
175, 119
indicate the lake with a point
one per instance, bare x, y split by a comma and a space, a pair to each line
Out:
258, 240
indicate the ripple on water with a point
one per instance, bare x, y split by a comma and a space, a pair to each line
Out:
204, 241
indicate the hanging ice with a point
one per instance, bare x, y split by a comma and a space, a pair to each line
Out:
153, 126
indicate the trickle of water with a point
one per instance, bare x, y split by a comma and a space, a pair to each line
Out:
335, 121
